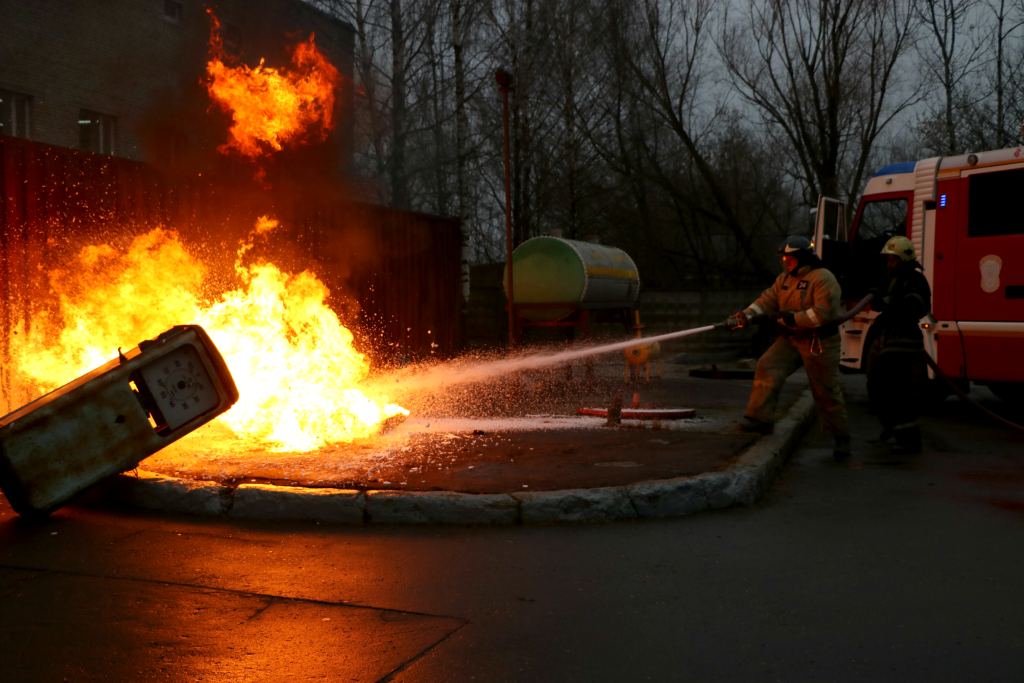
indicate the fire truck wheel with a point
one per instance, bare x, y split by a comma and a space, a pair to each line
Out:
1008, 391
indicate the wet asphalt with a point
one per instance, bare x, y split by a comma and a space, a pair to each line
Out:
879, 569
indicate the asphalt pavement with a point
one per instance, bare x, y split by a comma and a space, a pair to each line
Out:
880, 569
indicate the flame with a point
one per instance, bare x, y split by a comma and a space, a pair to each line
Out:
290, 356
272, 107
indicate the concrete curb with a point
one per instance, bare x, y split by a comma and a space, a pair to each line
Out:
575, 505
157, 492
439, 507
263, 501
742, 483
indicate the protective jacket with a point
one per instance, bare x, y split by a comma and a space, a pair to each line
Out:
808, 303
903, 299
811, 294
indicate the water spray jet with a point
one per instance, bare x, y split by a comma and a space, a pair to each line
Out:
463, 373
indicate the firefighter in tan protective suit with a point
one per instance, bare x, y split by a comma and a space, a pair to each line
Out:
804, 302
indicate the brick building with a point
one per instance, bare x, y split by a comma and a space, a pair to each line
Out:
123, 77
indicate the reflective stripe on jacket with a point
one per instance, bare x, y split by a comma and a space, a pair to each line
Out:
812, 295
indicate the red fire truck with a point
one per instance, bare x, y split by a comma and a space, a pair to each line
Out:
960, 214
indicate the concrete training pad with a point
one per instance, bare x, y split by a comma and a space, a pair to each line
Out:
508, 462
740, 483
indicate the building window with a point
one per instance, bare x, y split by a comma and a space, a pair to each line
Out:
96, 132
14, 114
172, 11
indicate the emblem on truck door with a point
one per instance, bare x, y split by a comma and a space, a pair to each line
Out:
990, 266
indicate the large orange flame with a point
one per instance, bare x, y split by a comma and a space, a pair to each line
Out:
271, 107
293, 361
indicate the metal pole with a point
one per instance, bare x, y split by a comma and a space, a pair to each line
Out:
504, 80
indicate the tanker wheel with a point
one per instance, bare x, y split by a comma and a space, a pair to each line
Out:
1011, 392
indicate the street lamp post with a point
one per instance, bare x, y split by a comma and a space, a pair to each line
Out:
504, 80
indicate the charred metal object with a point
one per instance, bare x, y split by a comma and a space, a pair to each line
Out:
110, 419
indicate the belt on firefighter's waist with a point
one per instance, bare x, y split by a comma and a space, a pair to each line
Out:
824, 332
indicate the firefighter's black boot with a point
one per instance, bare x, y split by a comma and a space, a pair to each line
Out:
908, 440
842, 450
754, 426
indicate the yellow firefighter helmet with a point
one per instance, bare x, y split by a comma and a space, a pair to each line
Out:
900, 246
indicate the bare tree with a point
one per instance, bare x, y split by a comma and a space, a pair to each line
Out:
515, 22
987, 123
469, 152
666, 47
365, 67
825, 76
399, 181
459, 12
624, 122
950, 64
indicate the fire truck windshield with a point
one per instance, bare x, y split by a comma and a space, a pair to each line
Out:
878, 221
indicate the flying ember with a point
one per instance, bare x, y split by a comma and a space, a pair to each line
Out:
292, 359
272, 107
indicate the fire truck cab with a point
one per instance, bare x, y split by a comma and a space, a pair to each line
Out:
961, 215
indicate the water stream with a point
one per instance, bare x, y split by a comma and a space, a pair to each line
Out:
460, 372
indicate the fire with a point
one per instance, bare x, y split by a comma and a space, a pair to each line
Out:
290, 356
272, 107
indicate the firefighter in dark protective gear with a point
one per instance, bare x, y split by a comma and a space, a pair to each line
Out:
804, 301
903, 298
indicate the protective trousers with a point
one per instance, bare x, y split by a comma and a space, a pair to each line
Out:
890, 389
780, 361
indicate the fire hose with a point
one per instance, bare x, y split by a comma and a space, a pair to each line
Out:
927, 358
960, 394
732, 323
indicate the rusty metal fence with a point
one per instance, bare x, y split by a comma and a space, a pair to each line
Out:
397, 272
402, 268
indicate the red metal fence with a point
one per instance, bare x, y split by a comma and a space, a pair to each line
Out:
401, 269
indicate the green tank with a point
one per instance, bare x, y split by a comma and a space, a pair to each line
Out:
557, 270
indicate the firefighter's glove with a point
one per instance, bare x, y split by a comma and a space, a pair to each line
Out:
737, 321
788, 319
